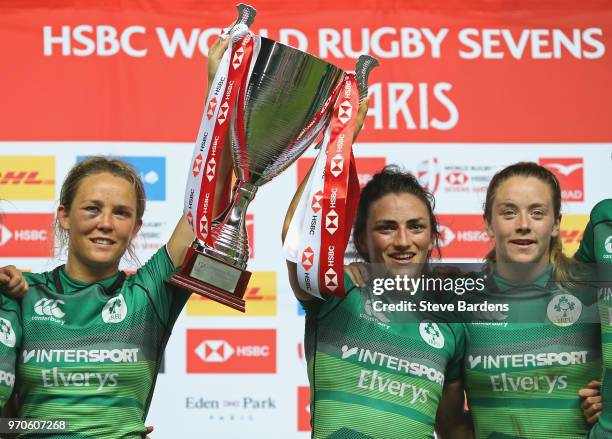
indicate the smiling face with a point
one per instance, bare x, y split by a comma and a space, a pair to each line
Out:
398, 233
522, 223
101, 222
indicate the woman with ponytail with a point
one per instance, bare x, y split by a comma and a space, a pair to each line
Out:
525, 365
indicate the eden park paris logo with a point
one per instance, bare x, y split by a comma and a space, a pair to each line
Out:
115, 310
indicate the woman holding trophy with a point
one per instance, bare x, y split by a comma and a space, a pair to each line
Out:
92, 337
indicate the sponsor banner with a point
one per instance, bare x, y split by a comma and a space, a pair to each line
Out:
152, 171
231, 409
572, 229
463, 236
366, 168
260, 296
570, 172
467, 178
451, 55
231, 351
26, 235
303, 408
27, 177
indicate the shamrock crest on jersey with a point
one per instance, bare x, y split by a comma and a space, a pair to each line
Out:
564, 309
7, 335
115, 310
430, 332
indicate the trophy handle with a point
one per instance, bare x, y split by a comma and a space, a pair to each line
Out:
365, 64
246, 15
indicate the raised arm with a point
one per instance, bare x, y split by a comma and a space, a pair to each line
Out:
183, 235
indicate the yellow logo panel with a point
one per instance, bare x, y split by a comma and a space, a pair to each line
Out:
260, 299
27, 177
572, 228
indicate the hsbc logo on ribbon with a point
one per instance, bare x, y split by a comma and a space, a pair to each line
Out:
212, 106
316, 201
307, 258
197, 165
345, 111
337, 165
211, 167
331, 222
223, 113
570, 173
204, 227
238, 56
190, 218
331, 279
231, 351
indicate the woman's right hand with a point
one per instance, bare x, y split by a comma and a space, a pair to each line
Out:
591, 401
12, 282
215, 53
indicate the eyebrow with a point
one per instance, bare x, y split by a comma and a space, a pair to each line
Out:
100, 203
531, 206
390, 221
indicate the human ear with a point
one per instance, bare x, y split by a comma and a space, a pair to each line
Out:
62, 217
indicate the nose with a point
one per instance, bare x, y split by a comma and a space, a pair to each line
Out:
402, 238
523, 222
105, 222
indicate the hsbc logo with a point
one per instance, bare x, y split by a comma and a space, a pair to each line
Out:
231, 351
197, 165
457, 178
316, 201
463, 236
26, 235
204, 227
331, 279
307, 258
212, 106
337, 165
570, 173
238, 56
331, 222
345, 112
223, 113
211, 167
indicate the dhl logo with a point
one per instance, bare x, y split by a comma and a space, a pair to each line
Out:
27, 177
572, 229
260, 299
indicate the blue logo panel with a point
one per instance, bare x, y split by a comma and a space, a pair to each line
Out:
152, 171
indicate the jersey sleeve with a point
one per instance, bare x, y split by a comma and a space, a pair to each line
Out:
601, 213
10, 342
168, 300
454, 367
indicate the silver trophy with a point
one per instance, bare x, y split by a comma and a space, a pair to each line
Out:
286, 91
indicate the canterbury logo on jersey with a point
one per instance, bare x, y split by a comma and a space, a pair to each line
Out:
49, 310
54, 378
7, 378
394, 363
527, 360
81, 355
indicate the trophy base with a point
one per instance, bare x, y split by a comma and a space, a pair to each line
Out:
213, 279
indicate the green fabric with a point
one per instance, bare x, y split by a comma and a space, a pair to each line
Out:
596, 247
524, 367
91, 355
10, 341
372, 374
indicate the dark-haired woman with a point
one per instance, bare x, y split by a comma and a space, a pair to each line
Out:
375, 373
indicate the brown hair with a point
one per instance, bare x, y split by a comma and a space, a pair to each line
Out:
391, 180
97, 165
562, 265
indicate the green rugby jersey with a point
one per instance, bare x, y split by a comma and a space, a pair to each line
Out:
10, 341
91, 351
524, 365
596, 247
376, 374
